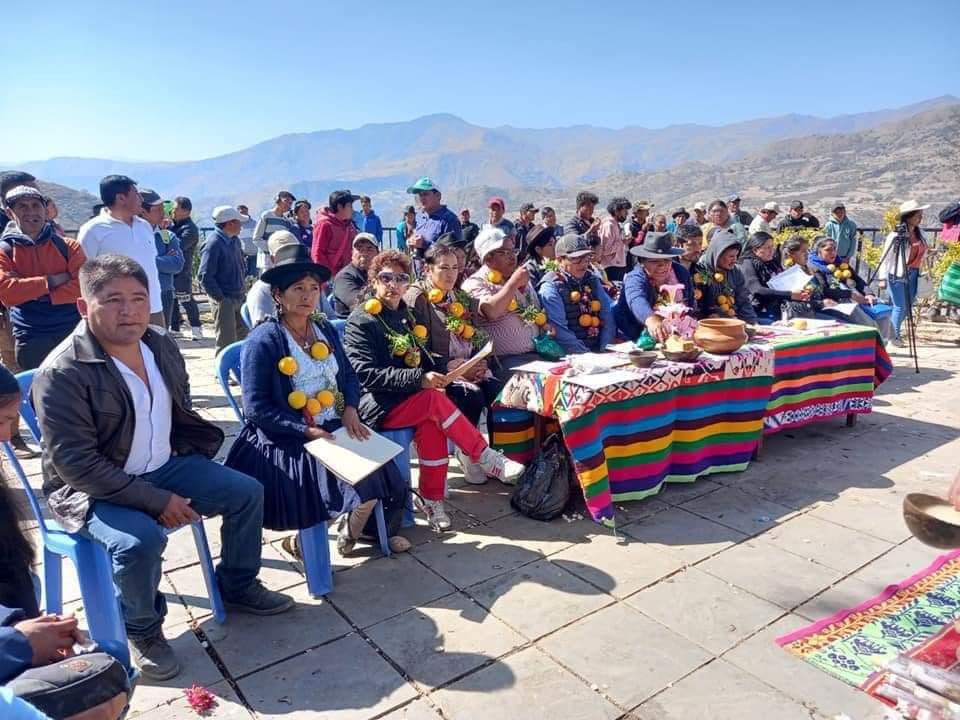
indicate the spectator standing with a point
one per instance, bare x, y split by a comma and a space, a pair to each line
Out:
765, 218
246, 240
369, 220
700, 213
434, 218
497, 208
189, 234
406, 228
738, 215
350, 282
720, 217
843, 231
334, 231
270, 221
613, 248
119, 230
583, 222
222, 270
10, 179
53, 212
470, 229
169, 255
677, 219
549, 217
528, 215
304, 229
690, 240
797, 218
660, 223
38, 277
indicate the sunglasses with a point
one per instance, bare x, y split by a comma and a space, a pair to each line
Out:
398, 278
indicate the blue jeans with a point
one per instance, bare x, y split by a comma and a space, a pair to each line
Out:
136, 540
904, 294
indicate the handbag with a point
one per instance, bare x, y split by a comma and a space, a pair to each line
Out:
544, 488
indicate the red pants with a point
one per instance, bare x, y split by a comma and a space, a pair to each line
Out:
435, 419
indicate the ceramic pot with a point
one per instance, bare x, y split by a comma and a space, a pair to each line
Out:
720, 335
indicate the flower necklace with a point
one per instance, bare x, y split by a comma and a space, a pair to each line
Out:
410, 344
841, 275
457, 317
329, 396
528, 312
588, 306
725, 300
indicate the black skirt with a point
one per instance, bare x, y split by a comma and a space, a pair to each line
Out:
298, 492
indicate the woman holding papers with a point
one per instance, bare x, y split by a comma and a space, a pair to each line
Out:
452, 339
757, 267
298, 385
403, 385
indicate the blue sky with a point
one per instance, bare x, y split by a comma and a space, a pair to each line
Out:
185, 80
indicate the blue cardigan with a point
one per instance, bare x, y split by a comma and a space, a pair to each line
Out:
638, 297
265, 388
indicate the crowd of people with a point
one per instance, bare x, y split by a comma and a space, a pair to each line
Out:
97, 317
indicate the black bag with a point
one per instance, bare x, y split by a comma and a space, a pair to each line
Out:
950, 214
544, 488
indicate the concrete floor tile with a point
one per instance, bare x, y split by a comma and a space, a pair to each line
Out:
687, 535
721, 691
704, 609
879, 520
538, 598
228, 707
345, 680
623, 652
900, 563
680, 492
525, 685
382, 588
827, 543
438, 642
734, 508
847, 593
484, 502
771, 573
420, 709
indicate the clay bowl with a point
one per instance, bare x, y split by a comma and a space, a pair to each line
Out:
682, 355
720, 335
642, 358
932, 520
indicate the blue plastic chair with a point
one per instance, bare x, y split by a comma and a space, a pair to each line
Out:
314, 546
92, 562
245, 316
340, 326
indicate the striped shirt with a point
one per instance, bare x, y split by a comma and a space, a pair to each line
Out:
268, 224
510, 334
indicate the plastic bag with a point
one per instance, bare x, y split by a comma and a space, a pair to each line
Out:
645, 342
547, 347
544, 488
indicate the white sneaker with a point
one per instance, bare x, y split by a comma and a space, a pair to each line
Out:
495, 464
436, 513
197, 333
472, 473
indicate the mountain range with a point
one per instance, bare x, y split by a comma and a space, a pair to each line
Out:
785, 156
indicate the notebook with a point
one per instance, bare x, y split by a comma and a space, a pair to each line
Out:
353, 460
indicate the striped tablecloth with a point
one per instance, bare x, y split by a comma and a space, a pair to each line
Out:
824, 375
629, 431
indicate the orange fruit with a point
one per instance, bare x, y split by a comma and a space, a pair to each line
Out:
574, 296
540, 319
313, 406
512, 307
847, 274
325, 398
287, 365
420, 332
831, 267
412, 359
595, 321
456, 309
467, 332
373, 306
718, 276
297, 399
495, 276
586, 320
435, 295
595, 305
400, 351
319, 351
788, 262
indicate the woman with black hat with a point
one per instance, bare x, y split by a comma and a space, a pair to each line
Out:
657, 264
540, 243
298, 385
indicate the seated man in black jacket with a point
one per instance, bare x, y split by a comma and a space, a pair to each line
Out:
131, 459
349, 283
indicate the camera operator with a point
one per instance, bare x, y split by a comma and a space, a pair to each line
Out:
902, 277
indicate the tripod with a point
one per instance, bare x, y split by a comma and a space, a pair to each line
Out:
900, 247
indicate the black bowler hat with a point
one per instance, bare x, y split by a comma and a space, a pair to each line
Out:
656, 246
291, 259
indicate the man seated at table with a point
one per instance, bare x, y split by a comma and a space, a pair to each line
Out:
503, 290
127, 458
658, 263
260, 302
723, 289
574, 299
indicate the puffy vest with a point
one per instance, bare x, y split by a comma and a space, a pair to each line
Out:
566, 284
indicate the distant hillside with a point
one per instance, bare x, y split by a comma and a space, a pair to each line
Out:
74, 205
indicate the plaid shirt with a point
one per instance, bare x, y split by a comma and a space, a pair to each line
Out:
510, 334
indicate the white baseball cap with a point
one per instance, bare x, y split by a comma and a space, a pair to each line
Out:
490, 239
771, 206
700, 206
225, 213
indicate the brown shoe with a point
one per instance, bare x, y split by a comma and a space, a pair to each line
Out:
21, 449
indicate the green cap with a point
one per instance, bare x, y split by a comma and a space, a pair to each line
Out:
424, 184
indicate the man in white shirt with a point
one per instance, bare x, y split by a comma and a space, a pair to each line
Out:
131, 459
118, 230
763, 222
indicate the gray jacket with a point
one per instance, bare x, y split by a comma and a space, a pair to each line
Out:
87, 421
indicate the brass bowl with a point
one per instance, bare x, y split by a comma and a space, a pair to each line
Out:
932, 520
682, 355
642, 358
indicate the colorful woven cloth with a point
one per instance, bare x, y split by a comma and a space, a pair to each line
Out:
822, 376
630, 431
915, 617
950, 285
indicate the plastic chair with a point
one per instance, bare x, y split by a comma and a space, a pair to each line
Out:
404, 438
314, 546
340, 326
245, 316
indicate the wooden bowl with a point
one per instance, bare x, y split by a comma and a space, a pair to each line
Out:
642, 358
683, 355
932, 520
720, 335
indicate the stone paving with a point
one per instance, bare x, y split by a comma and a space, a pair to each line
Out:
673, 618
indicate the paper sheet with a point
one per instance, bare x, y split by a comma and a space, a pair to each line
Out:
353, 460
605, 361
539, 366
789, 280
597, 381
462, 370
845, 308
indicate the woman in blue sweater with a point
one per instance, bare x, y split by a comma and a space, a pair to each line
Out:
298, 385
